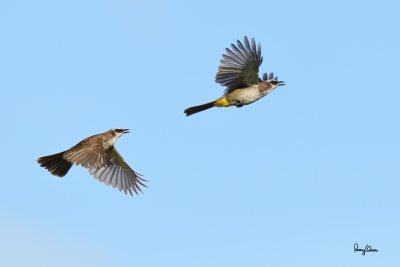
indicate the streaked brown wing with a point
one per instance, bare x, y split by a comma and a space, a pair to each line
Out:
118, 174
88, 153
239, 66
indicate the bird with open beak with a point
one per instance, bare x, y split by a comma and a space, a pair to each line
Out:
98, 154
238, 71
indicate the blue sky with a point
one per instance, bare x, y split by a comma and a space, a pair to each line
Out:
294, 179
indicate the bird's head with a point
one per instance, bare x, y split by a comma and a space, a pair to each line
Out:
112, 136
118, 132
273, 81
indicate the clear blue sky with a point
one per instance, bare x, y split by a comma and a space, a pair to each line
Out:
291, 180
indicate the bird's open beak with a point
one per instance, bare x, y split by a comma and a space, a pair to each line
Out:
281, 83
125, 131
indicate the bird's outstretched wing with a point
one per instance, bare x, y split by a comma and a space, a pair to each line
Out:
88, 153
118, 174
239, 65
269, 77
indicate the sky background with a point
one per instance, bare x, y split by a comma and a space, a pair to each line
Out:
294, 179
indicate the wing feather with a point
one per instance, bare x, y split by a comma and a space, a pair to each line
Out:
239, 65
269, 76
88, 153
118, 174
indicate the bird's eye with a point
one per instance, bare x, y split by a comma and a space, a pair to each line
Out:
118, 130
274, 82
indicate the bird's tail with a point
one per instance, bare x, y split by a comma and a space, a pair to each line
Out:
55, 164
195, 109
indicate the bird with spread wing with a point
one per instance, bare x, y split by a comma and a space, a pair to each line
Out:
238, 71
98, 154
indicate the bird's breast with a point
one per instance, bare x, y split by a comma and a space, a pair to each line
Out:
110, 142
245, 95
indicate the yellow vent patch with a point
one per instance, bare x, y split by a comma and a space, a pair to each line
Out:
222, 102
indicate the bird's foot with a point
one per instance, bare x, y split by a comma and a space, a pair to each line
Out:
239, 103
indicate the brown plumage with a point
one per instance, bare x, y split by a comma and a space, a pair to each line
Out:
195, 109
238, 71
98, 154
55, 164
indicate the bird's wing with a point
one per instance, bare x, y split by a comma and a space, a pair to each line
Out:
239, 66
88, 153
269, 77
118, 173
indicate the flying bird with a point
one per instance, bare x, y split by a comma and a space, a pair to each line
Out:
238, 71
98, 154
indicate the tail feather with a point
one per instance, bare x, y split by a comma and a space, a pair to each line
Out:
55, 164
195, 109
